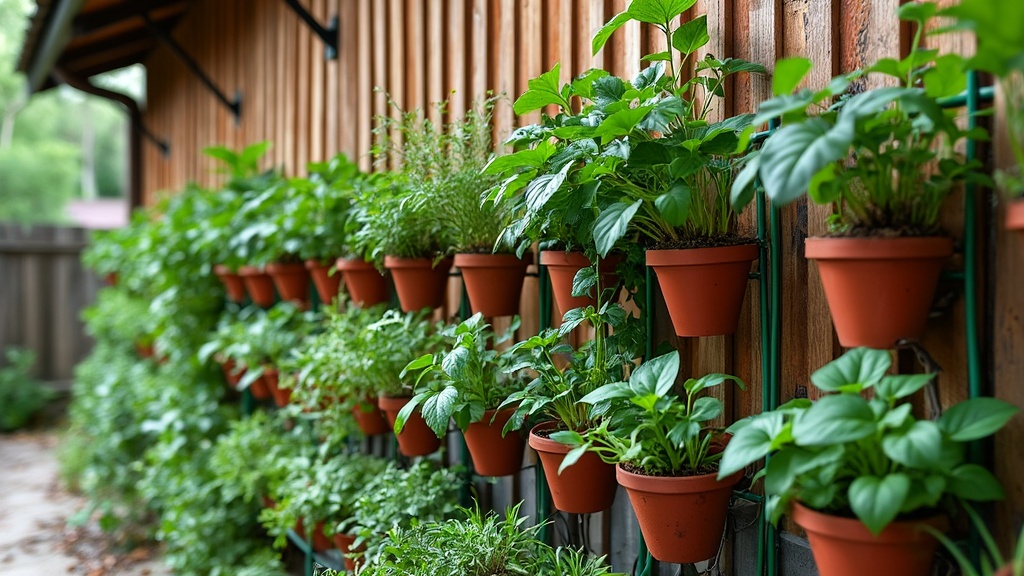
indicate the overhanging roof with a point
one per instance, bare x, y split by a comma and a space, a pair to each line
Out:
88, 37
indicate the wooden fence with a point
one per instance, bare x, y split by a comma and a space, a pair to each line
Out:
43, 289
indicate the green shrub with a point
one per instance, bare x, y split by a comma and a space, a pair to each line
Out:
20, 395
36, 181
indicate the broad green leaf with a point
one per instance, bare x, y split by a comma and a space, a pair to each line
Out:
419, 363
437, 409
863, 366
656, 376
658, 12
795, 153
834, 419
657, 57
608, 90
897, 387
784, 467
783, 106
706, 408
526, 158
691, 35
612, 225
976, 418
946, 78
606, 31
742, 192
924, 493
687, 165
974, 482
877, 501
749, 443
789, 72
583, 283
919, 12
674, 205
608, 392
621, 123
894, 418
540, 92
916, 446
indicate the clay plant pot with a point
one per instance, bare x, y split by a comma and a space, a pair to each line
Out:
879, 290
704, 287
418, 282
1015, 216
145, 350
681, 517
291, 281
586, 487
320, 543
494, 455
494, 282
111, 278
326, 283
841, 546
282, 396
231, 373
259, 286
233, 283
416, 439
267, 501
344, 543
365, 284
259, 388
562, 268
369, 418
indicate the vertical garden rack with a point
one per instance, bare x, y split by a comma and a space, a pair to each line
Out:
768, 274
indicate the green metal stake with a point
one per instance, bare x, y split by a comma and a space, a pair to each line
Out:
467, 462
541, 491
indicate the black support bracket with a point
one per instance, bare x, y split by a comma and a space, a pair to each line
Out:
234, 105
331, 35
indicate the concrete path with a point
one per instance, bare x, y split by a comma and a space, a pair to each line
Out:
34, 537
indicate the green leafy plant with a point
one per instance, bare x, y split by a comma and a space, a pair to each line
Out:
21, 396
118, 316
883, 159
646, 427
465, 380
639, 160
319, 207
992, 559
397, 498
479, 544
555, 393
386, 346
1000, 51
870, 459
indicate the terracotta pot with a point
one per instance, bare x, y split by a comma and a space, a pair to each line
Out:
282, 396
494, 455
291, 281
344, 543
321, 543
586, 487
1015, 215
230, 375
418, 282
326, 283
259, 388
145, 350
704, 287
366, 285
233, 283
494, 282
416, 439
879, 290
111, 279
562, 268
370, 419
259, 285
267, 501
681, 517
1005, 571
841, 546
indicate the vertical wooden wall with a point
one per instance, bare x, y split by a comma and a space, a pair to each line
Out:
420, 51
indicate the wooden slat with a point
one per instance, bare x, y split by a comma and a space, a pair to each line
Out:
363, 122
458, 66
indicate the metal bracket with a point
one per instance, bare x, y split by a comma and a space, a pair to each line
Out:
331, 35
235, 105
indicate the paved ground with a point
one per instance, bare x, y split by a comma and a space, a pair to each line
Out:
34, 538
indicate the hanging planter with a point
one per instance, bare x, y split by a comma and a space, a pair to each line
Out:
704, 287
842, 545
586, 487
903, 274
419, 283
344, 542
1015, 216
494, 282
111, 278
259, 388
291, 281
494, 454
369, 418
326, 283
272, 378
681, 517
320, 542
365, 284
416, 438
231, 376
562, 268
233, 283
259, 285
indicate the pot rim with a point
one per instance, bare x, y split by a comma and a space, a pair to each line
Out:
473, 260
313, 263
285, 268
1015, 214
853, 529
706, 255
675, 484
543, 444
576, 258
877, 248
354, 264
220, 270
392, 402
248, 270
